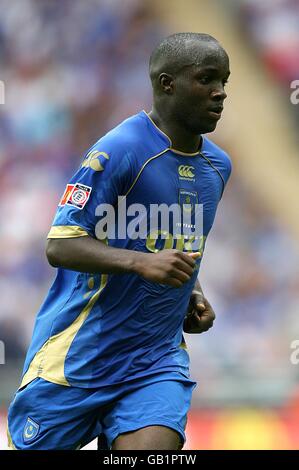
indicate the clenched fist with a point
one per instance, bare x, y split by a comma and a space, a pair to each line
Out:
169, 267
200, 315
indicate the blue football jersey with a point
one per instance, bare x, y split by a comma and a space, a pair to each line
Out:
97, 329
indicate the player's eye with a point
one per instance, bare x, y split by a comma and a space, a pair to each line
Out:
205, 80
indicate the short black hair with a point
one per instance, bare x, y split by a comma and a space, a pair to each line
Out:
175, 52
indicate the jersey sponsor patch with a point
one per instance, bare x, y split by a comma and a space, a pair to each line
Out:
75, 195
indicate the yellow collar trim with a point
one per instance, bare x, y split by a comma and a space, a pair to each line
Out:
170, 142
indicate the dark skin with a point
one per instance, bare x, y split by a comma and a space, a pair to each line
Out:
187, 103
85, 254
182, 99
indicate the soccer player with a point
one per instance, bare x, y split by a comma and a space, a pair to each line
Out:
107, 355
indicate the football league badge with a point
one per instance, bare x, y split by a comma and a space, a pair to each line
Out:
75, 195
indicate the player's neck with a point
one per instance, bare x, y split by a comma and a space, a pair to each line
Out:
181, 139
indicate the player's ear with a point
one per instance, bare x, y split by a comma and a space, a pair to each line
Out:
166, 83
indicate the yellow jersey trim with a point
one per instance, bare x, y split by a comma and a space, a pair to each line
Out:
142, 168
194, 154
183, 345
10, 444
66, 231
158, 128
48, 363
214, 167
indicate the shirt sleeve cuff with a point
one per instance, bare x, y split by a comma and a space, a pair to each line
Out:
67, 231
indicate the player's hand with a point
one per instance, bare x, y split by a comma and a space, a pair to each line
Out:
170, 267
200, 315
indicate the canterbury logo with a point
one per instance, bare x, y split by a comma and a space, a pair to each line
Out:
92, 160
186, 171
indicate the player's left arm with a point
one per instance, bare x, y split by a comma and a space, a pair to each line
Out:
200, 315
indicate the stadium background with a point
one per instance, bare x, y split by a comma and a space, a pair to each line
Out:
72, 69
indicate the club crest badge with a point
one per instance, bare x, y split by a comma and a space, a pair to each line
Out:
188, 200
31, 430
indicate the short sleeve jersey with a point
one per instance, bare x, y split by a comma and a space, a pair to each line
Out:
97, 329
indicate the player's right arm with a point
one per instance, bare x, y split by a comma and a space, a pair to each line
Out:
108, 171
86, 254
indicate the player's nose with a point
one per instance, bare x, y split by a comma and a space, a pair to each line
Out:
219, 94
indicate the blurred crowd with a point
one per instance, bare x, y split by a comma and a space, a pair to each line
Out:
73, 69
251, 274
274, 28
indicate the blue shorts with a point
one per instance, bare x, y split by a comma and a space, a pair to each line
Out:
47, 416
